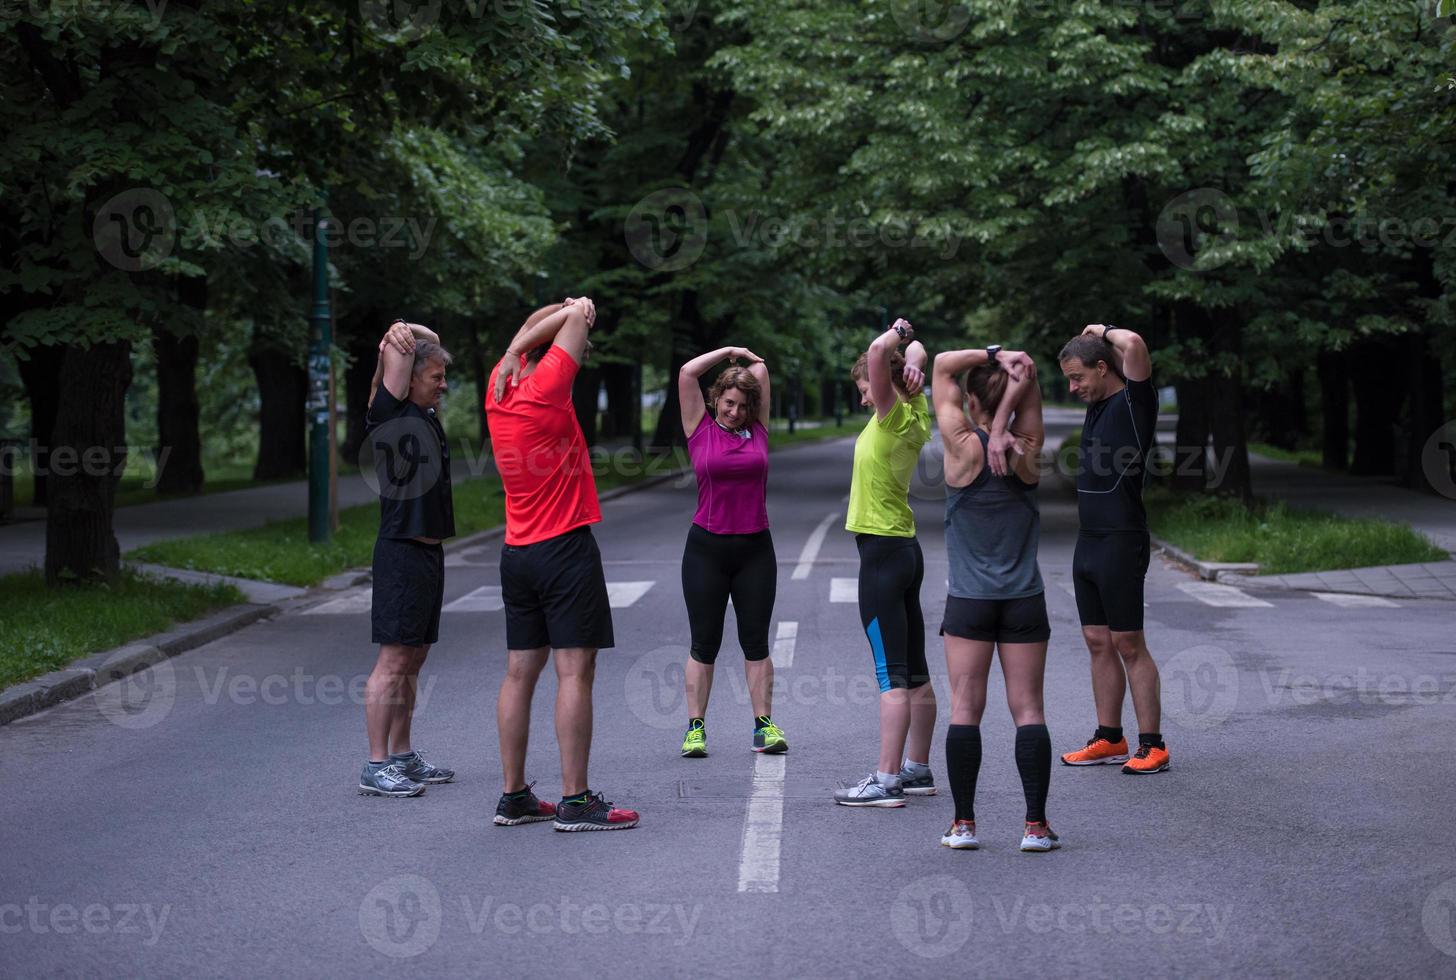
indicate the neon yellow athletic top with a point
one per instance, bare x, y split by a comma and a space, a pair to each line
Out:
884, 457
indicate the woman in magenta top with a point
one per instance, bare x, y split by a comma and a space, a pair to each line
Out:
729, 550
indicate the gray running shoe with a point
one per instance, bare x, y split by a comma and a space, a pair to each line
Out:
387, 780
922, 784
871, 792
415, 767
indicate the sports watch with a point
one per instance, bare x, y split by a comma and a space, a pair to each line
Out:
993, 351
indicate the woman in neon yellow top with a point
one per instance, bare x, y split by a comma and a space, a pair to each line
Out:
891, 565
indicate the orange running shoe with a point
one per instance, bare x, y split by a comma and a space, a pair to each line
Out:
1099, 751
1148, 759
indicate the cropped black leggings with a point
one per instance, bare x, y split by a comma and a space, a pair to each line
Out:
716, 566
890, 573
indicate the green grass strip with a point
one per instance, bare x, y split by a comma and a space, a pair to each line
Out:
45, 629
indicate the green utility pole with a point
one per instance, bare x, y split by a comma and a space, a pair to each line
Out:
320, 367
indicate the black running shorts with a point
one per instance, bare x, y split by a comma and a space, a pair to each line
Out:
555, 594
1107, 573
1021, 620
409, 589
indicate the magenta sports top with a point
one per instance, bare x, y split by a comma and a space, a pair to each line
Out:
732, 477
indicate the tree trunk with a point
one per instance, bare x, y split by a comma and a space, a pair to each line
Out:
1334, 375
1424, 412
1378, 386
584, 399
282, 391
363, 349
620, 383
178, 434
1226, 414
40, 372
688, 336
1190, 450
88, 454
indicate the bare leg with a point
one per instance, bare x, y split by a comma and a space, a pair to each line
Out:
575, 672
969, 664
1024, 667
404, 715
1142, 677
894, 727
760, 675
1109, 683
922, 723
697, 685
513, 713
384, 696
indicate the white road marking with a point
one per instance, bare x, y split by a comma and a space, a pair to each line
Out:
812, 546
487, 598
620, 595
1224, 596
358, 601
783, 648
1353, 601
843, 590
758, 862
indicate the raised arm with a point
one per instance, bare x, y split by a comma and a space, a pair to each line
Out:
1017, 426
956, 432
1134, 362
564, 325
690, 391
397, 357
882, 386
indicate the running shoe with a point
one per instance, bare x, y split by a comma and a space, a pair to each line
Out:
387, 780
871, 792
961, 836
594, 813
1099, 751
524, 808
768, 737
695, 742
416, 768
1148, 759
1040, 837
917, 782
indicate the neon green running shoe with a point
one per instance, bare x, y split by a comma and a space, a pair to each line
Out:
695, 742
768, 737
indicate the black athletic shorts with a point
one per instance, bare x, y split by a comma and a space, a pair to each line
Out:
555, 594
409, 588
1107, 573
1021, 620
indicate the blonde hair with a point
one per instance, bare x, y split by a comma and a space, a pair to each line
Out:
742, 379
861, 370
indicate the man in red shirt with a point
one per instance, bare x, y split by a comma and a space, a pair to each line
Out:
552, 584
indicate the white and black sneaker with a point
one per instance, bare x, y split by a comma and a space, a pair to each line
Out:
871, 792
387, 779
918, 781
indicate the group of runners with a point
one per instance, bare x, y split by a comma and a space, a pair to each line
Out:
555, 597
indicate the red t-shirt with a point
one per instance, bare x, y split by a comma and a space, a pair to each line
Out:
541, 454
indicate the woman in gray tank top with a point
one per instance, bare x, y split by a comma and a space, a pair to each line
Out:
992, 433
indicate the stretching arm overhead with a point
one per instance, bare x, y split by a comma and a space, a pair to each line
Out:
1134, 362
690, 392
563, 325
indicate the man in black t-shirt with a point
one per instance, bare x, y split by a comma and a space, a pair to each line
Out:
1110, 369
405, 443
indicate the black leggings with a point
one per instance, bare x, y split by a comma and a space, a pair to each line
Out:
716, 566
890, 573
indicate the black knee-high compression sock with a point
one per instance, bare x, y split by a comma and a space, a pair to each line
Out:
1034, 762
963, 765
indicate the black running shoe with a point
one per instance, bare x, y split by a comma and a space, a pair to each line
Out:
594, 814
525, 808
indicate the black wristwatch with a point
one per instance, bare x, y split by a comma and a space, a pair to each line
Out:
993, 351
1105, 329
899, 330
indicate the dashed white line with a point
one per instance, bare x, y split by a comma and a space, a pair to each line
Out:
812, 546
620, 595
843, 590
784, 641
1350, 601
1224, 596
358, 601
487, 598
758, 862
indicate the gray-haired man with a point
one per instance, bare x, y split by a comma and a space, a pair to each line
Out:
416, 513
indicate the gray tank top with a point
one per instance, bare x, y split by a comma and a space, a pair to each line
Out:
992, 528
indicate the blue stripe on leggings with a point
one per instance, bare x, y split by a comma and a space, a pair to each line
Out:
877, 644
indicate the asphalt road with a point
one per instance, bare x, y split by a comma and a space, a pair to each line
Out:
204, 822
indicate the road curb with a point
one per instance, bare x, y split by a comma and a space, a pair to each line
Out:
1209, 571
97, 670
